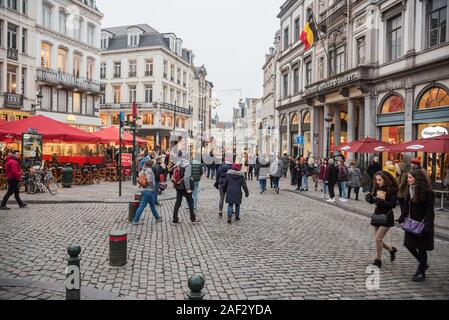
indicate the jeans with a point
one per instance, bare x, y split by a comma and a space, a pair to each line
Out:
237, 210
325, 187
344, 191
222, 198
147, 198
263, 185
13, 189
305, 182
276, 182
180, 194
284, 172
195, 194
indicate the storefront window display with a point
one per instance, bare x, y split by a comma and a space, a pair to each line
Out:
393, 104
434, 98
392, 135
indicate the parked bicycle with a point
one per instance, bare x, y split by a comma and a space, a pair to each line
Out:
39, 181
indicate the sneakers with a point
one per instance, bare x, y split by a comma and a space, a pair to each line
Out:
343, 200
159, 220
23, 206
196, 221
331, 200
419, 277
5, 208
175, 223
138, 223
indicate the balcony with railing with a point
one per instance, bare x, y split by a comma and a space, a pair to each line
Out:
57, 77
132, 74
150, 105
13, 54
148, 74
332, 11
12, 100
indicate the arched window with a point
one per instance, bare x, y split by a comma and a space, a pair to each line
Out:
307, 118
393, 104
435, 97
284, 122
295, 120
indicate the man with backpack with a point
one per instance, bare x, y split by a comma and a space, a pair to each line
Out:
147, 184
183, 184
220, 184
197, 172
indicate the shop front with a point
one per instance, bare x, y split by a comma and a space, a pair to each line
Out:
12, 115
294, 132
284, 135
153, 136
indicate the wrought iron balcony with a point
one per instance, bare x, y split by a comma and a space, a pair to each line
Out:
13, 54
12, 100
68, 80
174, 108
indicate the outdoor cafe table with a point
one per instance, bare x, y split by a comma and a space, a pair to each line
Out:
442, 192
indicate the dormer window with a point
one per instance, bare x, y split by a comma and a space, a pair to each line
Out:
105, 37
134, 37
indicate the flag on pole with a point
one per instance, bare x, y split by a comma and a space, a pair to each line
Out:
310, 34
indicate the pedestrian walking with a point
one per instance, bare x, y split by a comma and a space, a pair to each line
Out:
276, 171
316, 174
252, 165
298, 177
322, 177
197, 173
13, 177
419, 206
147, 185
354, 180
264, 173
401, 179
304, 173
331, 179
157, 170
285, 165
220, 184
292, 164
343, 181
245, 165
373, 168
183, 184
385, 197
234, 183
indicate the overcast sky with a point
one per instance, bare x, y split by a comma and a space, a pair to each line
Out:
230, 37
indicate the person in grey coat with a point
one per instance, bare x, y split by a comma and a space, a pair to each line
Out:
285, 164
184, 190
276, 171
354, 180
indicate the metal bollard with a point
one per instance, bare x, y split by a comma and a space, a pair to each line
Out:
118, 248
133, 206
73, 274
196, 285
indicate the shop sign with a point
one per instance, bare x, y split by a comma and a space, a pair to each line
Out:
31, 149
335, 82
431, 132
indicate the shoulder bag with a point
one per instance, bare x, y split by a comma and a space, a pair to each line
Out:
412, 226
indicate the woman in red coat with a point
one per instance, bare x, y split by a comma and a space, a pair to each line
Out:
13, 175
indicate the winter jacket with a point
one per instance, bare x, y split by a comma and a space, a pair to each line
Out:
292, 165
187, 180
157, 170
418, 211
197, 170
12, 168
354, 178
276, 169
332, 174
386, 206
402, 182
150, 178
285, 162
264, 171
343, 174
234, 183
221, 173
303, 169
322, 175
373, 168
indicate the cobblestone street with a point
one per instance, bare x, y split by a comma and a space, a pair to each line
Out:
286, 247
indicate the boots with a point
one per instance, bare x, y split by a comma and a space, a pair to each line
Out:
356, 197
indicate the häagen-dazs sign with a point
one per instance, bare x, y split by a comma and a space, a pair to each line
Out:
431, 132
333, 82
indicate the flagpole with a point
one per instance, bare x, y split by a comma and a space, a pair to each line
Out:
324, 45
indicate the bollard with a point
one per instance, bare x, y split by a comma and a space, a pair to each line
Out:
133, 206
196, 285
73, 274
118, 248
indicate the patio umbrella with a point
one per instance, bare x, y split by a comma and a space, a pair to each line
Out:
110, 135
367, 145
438, 144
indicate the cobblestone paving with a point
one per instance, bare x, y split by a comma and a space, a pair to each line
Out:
286, 247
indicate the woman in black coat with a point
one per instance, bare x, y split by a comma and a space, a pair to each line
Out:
234, 183
419, 206
385, 197
331, 179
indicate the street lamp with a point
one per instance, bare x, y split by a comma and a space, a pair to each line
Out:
39, 97
328, 120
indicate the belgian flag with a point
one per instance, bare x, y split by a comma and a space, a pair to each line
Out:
310, 34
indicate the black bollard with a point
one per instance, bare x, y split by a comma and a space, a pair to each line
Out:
133, 206
196, 285
73, 274
118, 248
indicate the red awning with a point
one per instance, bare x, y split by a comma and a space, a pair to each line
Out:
433, 145
367, 145
52, 130
111, 135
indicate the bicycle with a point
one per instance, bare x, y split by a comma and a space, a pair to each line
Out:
41, 180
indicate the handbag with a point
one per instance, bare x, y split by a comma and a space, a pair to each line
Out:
412, 226
379, 219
